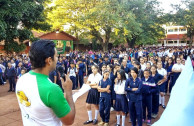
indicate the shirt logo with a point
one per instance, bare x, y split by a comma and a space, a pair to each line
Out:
149, 84
23, 99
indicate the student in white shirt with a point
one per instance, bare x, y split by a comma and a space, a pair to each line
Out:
160, 53
140, 53
142, 63
93, 95
170, 53
163, 72
176, 69
121, 106
72, 71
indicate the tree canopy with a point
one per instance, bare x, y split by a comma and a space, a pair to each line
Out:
116, 21
18, 18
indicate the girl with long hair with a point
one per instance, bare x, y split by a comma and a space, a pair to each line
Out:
121, 100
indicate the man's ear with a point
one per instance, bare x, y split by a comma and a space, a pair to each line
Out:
48, 60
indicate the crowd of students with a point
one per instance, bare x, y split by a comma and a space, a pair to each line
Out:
12, 67
133, 81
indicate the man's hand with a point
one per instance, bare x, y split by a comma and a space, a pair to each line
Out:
67, 85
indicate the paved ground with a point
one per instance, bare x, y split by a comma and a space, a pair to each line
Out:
10, 113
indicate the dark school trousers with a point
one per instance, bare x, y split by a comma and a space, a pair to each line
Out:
105, 104
155, 103
147, 105
73, 79
81, 80
1, 79
175, 77
11, 83
135, 110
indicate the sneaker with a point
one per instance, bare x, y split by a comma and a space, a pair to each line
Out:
111, 109
100, 123
106, 124
9, 90
149, 122
163, 106
129, 120
143, 120
88, 122
117, 124
95, 121
154, 116
160, 104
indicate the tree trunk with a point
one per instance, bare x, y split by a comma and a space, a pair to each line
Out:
107, 38
131, 42
191, 41
105, 47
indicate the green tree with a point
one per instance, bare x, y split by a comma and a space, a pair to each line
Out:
132, 21
185, 16
18, 18
142, 22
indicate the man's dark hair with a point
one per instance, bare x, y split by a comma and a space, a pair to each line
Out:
40, 51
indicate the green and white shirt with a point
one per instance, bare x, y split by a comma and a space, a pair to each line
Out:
42, 102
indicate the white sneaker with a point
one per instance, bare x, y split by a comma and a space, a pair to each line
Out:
111, 109
4, 82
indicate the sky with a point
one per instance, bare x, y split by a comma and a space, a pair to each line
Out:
165, 4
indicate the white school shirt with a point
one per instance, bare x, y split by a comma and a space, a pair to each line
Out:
72, 72
143, 66
119, 88
140, 53
170, 54
162, 71
95, 79
126, 75
121, 55
160, 54
178, 66
150, 62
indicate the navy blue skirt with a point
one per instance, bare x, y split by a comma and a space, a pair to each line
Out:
162, 87
121, 103
93, 96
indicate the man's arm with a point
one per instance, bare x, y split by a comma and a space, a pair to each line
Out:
67, 86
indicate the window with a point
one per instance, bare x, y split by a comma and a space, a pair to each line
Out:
187, 42
175, 30
182, 41
170, 42
183, 30
170, 30
175, 41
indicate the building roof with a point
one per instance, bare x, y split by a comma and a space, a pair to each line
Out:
58, 36
37, 34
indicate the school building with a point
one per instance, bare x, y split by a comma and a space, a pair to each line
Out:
174, 36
